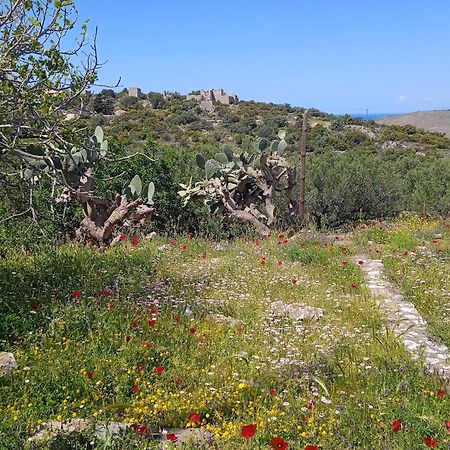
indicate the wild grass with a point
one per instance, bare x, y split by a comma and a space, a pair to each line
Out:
167, 329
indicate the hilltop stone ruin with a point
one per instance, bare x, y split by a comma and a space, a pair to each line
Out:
208, 99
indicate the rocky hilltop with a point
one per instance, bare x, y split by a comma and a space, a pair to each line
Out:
434, 121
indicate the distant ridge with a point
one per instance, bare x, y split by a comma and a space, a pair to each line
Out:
435, 121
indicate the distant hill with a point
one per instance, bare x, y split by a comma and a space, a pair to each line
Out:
194, 122
434, 121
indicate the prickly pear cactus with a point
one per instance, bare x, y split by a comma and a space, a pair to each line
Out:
243, 184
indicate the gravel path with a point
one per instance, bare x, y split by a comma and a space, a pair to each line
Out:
404, 320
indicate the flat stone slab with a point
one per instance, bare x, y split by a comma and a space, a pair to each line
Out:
51, 429
8, 364
296, 311
404, 320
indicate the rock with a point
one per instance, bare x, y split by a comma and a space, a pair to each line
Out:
199, 436
51, 429
224, 319
7, 363
296, 311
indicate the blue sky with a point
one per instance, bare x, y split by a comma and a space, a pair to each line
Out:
336, 55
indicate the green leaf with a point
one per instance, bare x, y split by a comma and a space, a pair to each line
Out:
282, 146
136, 186
210, 168
282, 134
274, 147
99, 134
229, 152
104, 148
221, 157
83, 154
151, 191
27, 174
263, 143
200, 160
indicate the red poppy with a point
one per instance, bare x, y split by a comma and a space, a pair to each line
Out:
123, 237
177, 319
256, 242
311, 405
152, 322
135, 388
111, 305
396, 425
149, 344
279, 443
273, 391
142, 429
105, 293
172, 437
294, 280
193, 330
279, 263
434, 241
336, 238
263, 261
195, 417
77, 294
172, 242
203, 256
240, 329
441, 393
344, 262
158, 370
128, 338
184, 247
34, 307
89, 375
302, 244
140, 367
447, 425
178, 380
135, 242
89, 239
134, 325
360, 262
430, 442
153, 310
248, 431
405, 253
281, 237
190, 234
354, 286
311, 447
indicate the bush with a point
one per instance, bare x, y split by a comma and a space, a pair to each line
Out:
352, 186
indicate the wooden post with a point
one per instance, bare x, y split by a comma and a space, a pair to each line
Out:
303, 167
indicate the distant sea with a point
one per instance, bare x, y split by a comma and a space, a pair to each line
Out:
371, 116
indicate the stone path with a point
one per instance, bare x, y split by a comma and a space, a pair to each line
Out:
404, 320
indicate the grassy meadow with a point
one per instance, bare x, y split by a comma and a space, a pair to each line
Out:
179, 333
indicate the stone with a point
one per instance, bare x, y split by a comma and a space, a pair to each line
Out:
49, 430
198, 436
224, 319
404, 319
296, 311
7, 364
